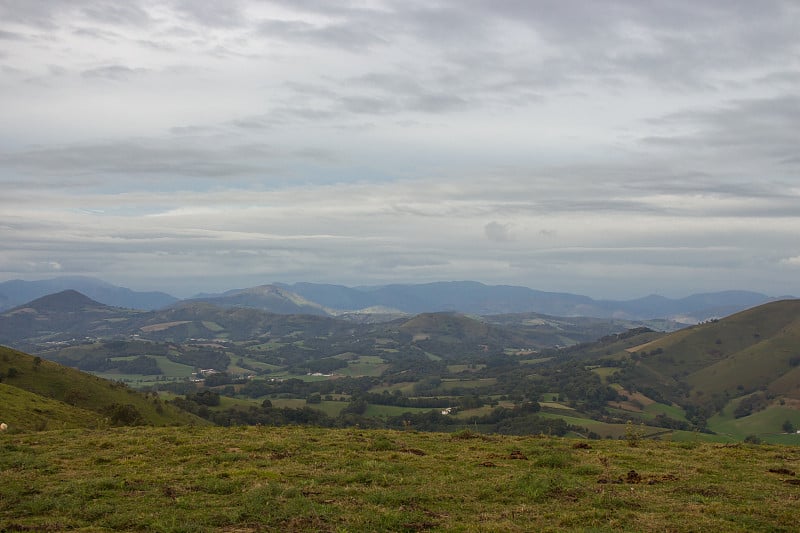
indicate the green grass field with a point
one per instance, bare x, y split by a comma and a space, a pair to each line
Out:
385, 411
671, 411
248, 479
450, 384
766, 424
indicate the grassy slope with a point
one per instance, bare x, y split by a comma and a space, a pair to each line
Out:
26, 411
81, 390
751, 349
299, 479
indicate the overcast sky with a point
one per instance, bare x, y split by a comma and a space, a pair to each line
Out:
614, 148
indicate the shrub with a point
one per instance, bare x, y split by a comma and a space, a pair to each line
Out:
123, 415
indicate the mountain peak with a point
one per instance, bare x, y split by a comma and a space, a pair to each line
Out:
68, 300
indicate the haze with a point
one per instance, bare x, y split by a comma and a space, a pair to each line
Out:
613, 148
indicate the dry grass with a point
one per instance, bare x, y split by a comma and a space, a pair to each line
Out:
306, 479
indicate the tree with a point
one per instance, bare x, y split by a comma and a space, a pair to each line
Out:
788, 427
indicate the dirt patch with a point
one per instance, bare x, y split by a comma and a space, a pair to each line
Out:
278, 455
517, 454
162, 326
784, 471
20, 527
636, 401
414, 451
639, 348
635, 478
581, 446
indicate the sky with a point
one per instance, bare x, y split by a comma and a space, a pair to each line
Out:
614, 149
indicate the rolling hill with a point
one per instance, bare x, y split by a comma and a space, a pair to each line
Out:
40, 394
737, 376
757, 349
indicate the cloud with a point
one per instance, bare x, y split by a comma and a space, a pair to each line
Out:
173, 159
113, 72
350, 37
497, 232
615, 146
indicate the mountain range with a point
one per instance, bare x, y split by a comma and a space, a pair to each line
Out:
392, 301
70, 316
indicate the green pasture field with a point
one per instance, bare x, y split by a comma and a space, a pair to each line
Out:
672, 411
406, 387
364, 365
385, 411
456, 369
212, 326
450, 384
766, 424
535, 360
248, 479
605, 372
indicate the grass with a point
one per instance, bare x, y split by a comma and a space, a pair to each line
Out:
450, 384
605, 372
28, 411
84, 391
765, 424
305, 479
672, 411
385, 411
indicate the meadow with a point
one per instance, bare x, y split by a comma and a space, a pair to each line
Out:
244, 479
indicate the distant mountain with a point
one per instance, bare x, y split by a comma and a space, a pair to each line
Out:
476, 298
16, 292
61, 302
377, 303
57, 317
692, 309
271, 298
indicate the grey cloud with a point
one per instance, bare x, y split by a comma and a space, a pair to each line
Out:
212, 13
118, 13
113, 72
138, 158
764, 127
497, 232
467, 112
437, 103
36, 13
368, 105
96, 33
51, 14
350, 37
11, 36
284, 115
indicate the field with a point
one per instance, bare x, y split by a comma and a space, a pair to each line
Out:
247, 479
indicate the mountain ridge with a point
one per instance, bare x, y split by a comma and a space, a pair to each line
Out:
469, 297
477, 298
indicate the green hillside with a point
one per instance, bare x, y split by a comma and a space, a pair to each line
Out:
27, 411
248, 479
70, 396
710, 363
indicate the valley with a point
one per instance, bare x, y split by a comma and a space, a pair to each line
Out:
724, 380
